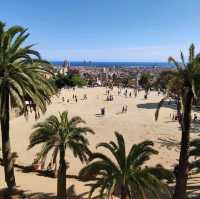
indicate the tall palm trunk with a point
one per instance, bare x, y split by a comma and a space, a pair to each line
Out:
182, 174
6, 148
178, 106
61, 182
124, 194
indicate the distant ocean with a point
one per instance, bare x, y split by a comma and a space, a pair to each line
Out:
116, 64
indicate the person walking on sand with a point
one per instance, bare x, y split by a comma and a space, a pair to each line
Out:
125, 109
125, 93
103, 111
135, 92
76, 100
173, 117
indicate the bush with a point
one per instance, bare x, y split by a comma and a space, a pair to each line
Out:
71, 80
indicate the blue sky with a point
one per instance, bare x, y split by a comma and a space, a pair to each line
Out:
107, 30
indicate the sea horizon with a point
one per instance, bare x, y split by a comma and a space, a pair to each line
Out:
118, 64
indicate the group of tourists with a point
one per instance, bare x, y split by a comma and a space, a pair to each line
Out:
74, 97
29, 105
124, 109
175, 117
109, 98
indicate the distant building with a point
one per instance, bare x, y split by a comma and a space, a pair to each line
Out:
65, 67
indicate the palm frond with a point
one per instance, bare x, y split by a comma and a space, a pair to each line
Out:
191, 53
183, 59
57, 132
158, 107
133, 180
173, 61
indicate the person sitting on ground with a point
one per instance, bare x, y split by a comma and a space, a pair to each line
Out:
85, 97
36, 164
195, 117
50, 167
14, 156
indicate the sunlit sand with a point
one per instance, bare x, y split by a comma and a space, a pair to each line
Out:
136, 125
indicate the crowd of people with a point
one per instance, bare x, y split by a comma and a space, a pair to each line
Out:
74, 97
109, 97
174, 117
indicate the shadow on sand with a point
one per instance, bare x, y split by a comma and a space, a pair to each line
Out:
98, 115
153, 105
166, 104
30, 169
169, 143
195, 126
193, 187
20, 194
44, 173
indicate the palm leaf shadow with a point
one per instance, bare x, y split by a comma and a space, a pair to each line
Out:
169, 143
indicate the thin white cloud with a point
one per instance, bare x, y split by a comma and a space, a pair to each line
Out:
149, 53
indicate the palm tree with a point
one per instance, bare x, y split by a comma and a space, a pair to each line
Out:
21, 76
145, 82
124, 175
163, 80
58, 134
185, 88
